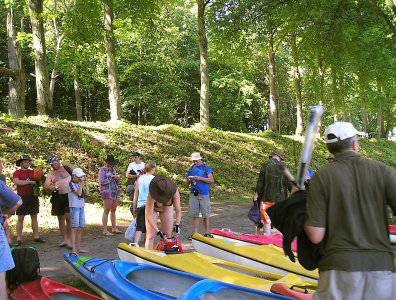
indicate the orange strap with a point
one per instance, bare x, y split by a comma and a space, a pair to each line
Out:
263, 209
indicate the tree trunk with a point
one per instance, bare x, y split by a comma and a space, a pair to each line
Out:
40, 57
379, 129
334, 94
297, 85
392, 6
383, 15
114, 89
54, 73
341, 98
363, 104
321, 72
203, 52
271, 78
17, 83
78, 100
185, 112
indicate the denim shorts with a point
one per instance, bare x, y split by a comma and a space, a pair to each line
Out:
199, 204
77, 217
6, 261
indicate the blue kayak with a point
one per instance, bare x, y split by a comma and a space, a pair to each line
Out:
216, 290
115, 279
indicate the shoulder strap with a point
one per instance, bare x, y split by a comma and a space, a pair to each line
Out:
205, 170
190, 170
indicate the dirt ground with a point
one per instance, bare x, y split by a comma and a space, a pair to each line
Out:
233, 216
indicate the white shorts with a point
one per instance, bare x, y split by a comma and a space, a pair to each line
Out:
370, 285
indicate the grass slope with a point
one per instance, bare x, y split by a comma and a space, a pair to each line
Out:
234, 157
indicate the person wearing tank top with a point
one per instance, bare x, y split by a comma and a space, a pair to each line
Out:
57, 182
140, 198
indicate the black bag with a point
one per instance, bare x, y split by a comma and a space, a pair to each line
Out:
254, 214
27, 266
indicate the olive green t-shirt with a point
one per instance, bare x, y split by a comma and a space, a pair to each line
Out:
348, 198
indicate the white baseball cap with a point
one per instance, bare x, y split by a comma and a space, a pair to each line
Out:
196, 156
78, 172
342, 131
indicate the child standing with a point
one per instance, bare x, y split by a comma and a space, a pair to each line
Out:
140, 199
76, 204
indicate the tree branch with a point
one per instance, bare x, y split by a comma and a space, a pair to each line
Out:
6, 71
380, 13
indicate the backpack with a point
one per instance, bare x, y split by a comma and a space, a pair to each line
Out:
27, 266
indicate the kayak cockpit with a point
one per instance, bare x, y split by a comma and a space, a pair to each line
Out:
162, 282
66, 296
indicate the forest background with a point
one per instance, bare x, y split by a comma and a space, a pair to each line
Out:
235, 65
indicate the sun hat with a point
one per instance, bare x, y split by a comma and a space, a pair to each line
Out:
162, 188
110, 159
341, 131
21, 159
53, 159
276, 153
78, 172
196, 156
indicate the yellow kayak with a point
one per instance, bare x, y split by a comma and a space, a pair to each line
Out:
264, 257
209, 267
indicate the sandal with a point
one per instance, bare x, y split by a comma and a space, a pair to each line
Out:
39, 240
208, 235
116, 231
106, 233
73, 253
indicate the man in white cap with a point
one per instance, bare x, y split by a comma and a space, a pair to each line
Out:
346, 213
199, 176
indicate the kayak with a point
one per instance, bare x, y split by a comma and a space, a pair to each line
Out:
209, 267
392, 229
265, 257
283, 289
252, 239
115, 279
46, 289
211, 289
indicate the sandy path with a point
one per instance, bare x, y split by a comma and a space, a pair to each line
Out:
232, 216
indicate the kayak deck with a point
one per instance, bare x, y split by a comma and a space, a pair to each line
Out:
208, 267
264, 257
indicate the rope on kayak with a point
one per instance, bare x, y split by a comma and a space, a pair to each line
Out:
92, 268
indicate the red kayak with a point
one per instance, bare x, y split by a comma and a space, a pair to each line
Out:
392, 229
252, 239
46, 289
284, 290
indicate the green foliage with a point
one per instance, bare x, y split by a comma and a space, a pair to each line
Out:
234, 157
346, 56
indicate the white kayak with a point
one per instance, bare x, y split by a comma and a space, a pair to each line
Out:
267, 258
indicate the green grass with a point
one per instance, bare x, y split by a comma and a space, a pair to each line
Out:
234, 157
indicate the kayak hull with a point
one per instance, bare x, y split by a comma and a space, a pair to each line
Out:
126, 280
218, 290
115, 279
46, 289
265, 257
209, 267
